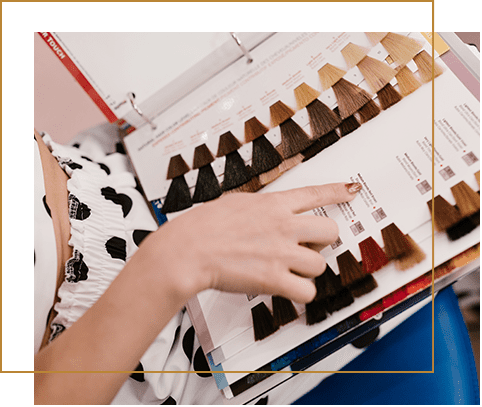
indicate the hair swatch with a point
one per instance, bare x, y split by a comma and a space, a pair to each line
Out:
373, 256
424, 64
253, 129
401, 248
207, 185
235, 171
263, 322
330, 290
279, 113
376, 73
348, 125
304, 95
447, 218
400, 47
253, 185
417, 255
291, 162
407, 81
266, 158
354, 54
329, 75
468, 202
322, 118
396, 244
350, 97
375, 37
315, 312
319, 145
178, 196
368, 111
202, 157
352, 275
284, 311
388, 96
177, 167
293, 138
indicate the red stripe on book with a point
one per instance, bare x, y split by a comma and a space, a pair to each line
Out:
79, 76
371, 311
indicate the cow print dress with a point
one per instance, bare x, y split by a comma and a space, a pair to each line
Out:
109, 218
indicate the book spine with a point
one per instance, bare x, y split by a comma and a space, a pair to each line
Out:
78, 75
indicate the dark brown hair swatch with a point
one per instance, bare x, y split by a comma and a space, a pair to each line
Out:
350, 97
227, 144
253, 129
321, 117
178, 196
401, 248
177, 166
396, 244
320, 144
235, 171
207, 185
330, 290
348, 125
202, 157
468, 201
284, 311
315, 312
279, 113
293, 138
352, 275
263, 321
447, 218
265, 156
368, 111
388, 96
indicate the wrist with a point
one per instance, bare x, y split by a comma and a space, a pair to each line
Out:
169, 268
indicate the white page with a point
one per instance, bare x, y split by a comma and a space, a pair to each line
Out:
390, 155
118, 63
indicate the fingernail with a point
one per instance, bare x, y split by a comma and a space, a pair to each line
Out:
353, 187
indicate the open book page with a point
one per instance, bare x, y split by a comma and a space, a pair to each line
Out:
391, 155
115, 64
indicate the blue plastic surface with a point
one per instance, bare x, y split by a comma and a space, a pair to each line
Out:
409, 348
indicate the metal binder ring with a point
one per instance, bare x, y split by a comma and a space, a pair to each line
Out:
243, 48
131, 97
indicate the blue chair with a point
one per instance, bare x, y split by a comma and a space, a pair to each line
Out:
409, 348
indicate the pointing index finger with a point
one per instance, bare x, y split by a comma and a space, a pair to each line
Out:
303, 199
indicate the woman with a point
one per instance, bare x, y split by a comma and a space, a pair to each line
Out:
132, 313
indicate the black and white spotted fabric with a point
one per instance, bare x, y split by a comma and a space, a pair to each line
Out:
109, 219
45, 254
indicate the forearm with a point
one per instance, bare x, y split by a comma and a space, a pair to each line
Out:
111, 336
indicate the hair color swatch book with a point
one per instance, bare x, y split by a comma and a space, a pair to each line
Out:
382, 141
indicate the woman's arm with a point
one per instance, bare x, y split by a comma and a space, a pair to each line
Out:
240, 243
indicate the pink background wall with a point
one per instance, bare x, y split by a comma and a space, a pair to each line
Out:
62, 108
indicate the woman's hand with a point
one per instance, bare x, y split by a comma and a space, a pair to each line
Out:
251, 243
241, 243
